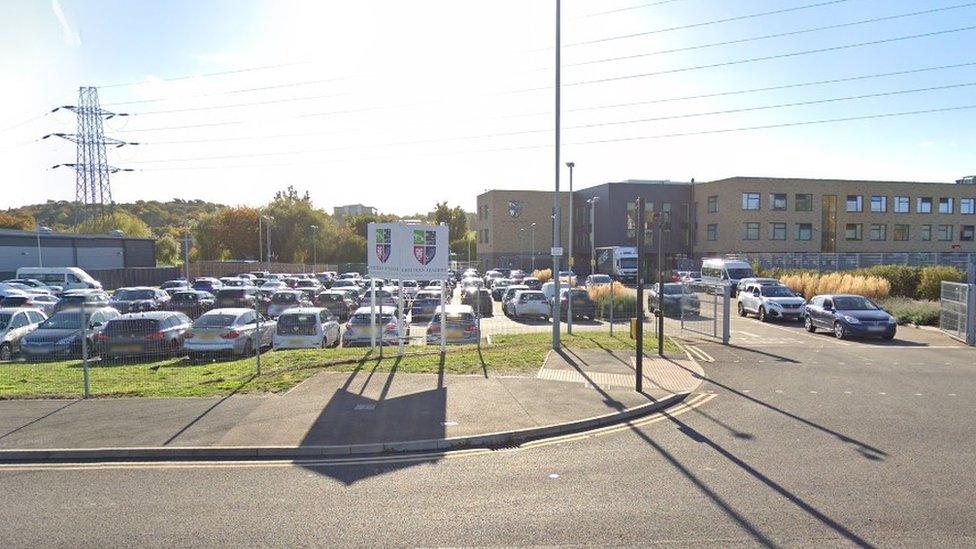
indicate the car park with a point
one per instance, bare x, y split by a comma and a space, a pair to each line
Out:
232, 331
60, 336
66, 278
343, 283
207, 284
139, 299
42, 302
424, 305
154, 333
360, 329
529, 304
15, 324
460, 325
583, 306
594, 280
92, 299
282, 300
306, 328
498, 288
848, 316
480, 300
677, 301
235, 282
230, 297
337, 302
532, 282
192, 303
770, 301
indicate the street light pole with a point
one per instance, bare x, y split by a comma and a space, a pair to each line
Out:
260, 237
269, 219
555, 195
570, 261
593, 202
186, 252
40, 262
532, 239
314, 251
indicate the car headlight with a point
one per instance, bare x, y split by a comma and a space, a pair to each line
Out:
66, 340
774, 305
851, 319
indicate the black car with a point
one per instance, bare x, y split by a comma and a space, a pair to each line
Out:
156, 333
141, 299
479, 299
192, 303
61, 336
498, 288
677, 299
74, 299
236, 297
583, 306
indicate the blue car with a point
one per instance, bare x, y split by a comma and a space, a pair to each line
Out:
848, 316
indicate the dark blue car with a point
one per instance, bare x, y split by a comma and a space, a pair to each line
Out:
848, 316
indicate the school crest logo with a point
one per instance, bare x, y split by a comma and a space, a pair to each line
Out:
384, 244
514, 208
424, 245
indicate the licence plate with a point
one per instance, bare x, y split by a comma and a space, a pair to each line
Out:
126, 348
455, 334
208, 336
876, 328
294, 341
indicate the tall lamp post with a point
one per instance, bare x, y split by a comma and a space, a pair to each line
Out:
555, 195
532, 239
521, 247
315, 229
569, 261
269, 219
260, 237
40, 262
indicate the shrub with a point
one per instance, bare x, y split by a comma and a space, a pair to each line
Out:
930, 282
905, 311
545, 275
837, 283
903, 278
624, 301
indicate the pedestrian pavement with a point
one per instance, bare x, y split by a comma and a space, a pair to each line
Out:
362, 407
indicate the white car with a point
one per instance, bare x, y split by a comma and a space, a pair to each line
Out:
306, 328
14, 325
228, 332
529, 304
567, 277
769, 301
358, 329
410, 289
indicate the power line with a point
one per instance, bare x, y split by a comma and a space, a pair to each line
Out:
776, 35
209, 74
618, 10
235, 105
229, 92
706, 23
771, 57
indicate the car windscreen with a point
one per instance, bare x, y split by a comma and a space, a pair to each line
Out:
776, 291
853, 303
233, 294
580, 295
132, 295
4, 320
302, 324
13, 301
136, 326
364, 319
628, 263
186, 296
533, 297
673, 289
694, 274
739, 273
343, 283
329, 298
62, 321
233, 282
213, 321
72, 299
284, 298
600, 279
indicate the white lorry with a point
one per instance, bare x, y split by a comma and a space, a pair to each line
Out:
620, 262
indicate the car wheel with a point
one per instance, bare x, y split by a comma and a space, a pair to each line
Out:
888, 337
248, 348
742, 310
6, 352
839, 330
762, 315
808, 324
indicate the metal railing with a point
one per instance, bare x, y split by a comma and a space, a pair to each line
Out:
847, 261
705, 310
957, 316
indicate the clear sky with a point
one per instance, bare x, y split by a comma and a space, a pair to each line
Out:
400, 104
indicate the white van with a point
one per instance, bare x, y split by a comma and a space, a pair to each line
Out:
68, 278
725, 271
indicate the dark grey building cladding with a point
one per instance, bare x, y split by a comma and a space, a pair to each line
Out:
90, 252
614, 212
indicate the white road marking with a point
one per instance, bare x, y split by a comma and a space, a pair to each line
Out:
813, 392
882, 393
847, 392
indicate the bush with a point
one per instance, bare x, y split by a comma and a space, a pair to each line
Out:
624, 302
837, 283
911, 311
930, 282
902, 278
545, 275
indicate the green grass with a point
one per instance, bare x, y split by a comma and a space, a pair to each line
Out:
282, 370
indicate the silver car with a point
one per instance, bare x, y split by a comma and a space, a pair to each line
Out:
461, 326
358, 330
529, 304
228, 332
14, 325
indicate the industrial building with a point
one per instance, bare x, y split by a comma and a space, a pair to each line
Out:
89, 252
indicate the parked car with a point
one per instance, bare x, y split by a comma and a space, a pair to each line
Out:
491, 276
239, 297
425, 304
517, 276
283, 300
273, 286
755, 280
583, 306
532, 282
34, 285
770, 301
350, 276
309, 283
460, 323
436, 285
510, 292
410, 288
42, 302
337, 302
358, 330
343, 283
595, 280
567, 277
74, 299
232, 331
529, 304
139, 299
384, 297
66, 278
192, 303
60, 336
154, 333
677, 300
498, 287
306, 328
174, 285
549, 290
235, 282
848, 316
206, 284
480, 300
14, 325
730, 271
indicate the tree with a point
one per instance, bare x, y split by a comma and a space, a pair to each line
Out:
16, 221
455, 218
231, 233
130, 226
167, 251
358, 223
291, 231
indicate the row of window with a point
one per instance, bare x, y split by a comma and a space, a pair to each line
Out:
854, 203
483, 236
852, 231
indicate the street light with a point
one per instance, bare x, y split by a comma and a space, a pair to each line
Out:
269, 219
521, 246
314, 254
46, 230
532, 226
570, 262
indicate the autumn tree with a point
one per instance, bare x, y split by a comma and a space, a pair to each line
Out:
130, 225
15, 221
167, 251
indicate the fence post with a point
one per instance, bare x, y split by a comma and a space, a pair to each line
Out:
257, 350
84, 349
611, 307
726, 306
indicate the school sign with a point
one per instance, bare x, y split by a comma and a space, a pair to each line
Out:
407, 251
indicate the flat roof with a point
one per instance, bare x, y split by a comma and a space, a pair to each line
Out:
824, 180
64, 235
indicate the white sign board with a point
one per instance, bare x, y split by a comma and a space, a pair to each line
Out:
407, 251
557, 251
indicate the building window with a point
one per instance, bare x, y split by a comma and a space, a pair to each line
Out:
946, 205
901, 205
967, 206
853, 231
713, 204
901, 232
803, 202
777, 231
804, 231
777, 201
926, 233
967, 232
945, 233
879, 231
879, 204
712, 231
855, 203
750, 201
666, 211
751, 231
923, 205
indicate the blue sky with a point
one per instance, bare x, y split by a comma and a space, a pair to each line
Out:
399, 104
